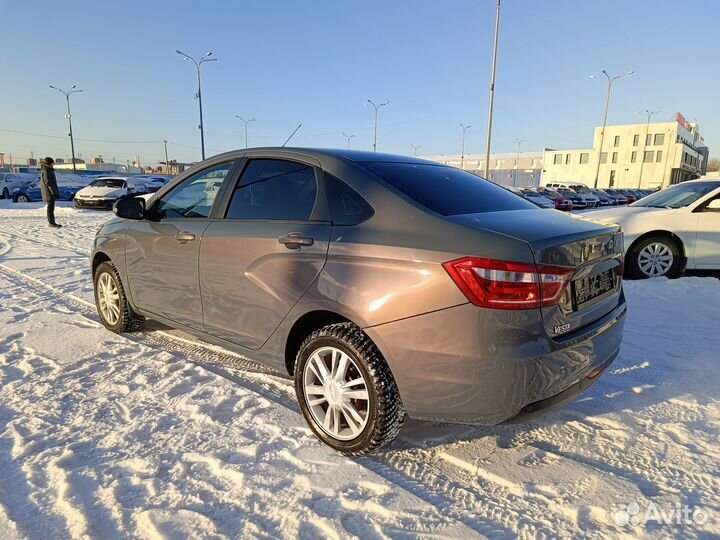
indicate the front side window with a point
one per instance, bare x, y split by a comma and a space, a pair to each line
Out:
194, 197
447, 190
274, 189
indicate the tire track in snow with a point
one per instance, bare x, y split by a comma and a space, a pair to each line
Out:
460, 502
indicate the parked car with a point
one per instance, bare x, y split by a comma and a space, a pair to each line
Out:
619, 197
604, 198
577, 201
106, 190
32, 192
629, 195
537, 198
590, 200
382, 284
11, 182
561, 202
151, 182
670, 230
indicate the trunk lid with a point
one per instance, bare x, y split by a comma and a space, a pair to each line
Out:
592, 249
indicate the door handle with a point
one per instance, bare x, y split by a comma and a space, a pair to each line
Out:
295, 240
184, 236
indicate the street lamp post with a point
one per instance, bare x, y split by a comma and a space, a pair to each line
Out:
415, 148
204, 59
517, 160
246, 128
376, 107
649, 114
348, 137
492, 91
610, 80
167, 161
462, 149
69, 119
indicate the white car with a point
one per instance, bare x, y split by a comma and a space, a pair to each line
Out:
674, 229
103, 192
11, 182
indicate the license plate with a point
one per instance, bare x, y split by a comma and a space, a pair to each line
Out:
589, 288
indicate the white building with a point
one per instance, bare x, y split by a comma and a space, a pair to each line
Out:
505, 169
632, 156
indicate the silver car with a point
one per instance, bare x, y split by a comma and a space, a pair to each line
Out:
384, 285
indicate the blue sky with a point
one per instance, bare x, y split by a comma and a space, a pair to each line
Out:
317, 62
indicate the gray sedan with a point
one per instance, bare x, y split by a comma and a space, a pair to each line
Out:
385, 286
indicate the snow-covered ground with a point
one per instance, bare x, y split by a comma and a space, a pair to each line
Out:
156, 435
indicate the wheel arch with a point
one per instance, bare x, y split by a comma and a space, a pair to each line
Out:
661, 233
304, 326
99, 258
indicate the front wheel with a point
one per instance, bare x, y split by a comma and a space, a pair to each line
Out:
111, 302
5, 193
654, 257
22, 198
346, 390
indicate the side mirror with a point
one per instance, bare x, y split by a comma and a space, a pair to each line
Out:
713, 206
130, 208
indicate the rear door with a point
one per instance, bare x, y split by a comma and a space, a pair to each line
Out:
266, 250
162, 252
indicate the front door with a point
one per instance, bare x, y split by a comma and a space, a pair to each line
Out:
258, 260
707, 243
162, 251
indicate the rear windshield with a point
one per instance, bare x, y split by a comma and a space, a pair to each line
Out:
446, 190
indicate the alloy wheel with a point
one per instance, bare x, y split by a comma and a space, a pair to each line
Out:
336, 393
23, 198
655, 259
108, 298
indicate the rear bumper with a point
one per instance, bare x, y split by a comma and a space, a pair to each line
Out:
470, 365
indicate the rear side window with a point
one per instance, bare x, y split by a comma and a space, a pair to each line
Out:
447, 190
347, 207
274, 189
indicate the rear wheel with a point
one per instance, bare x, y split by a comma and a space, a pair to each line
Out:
111, 302
346, 390
5, 193
654, 256
23, 198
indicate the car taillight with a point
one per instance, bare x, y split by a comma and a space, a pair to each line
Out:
508, 285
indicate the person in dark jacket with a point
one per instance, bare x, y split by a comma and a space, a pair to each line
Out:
49, 189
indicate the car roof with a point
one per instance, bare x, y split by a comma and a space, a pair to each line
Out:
359, 156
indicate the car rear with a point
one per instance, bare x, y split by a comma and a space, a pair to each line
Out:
540, 324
